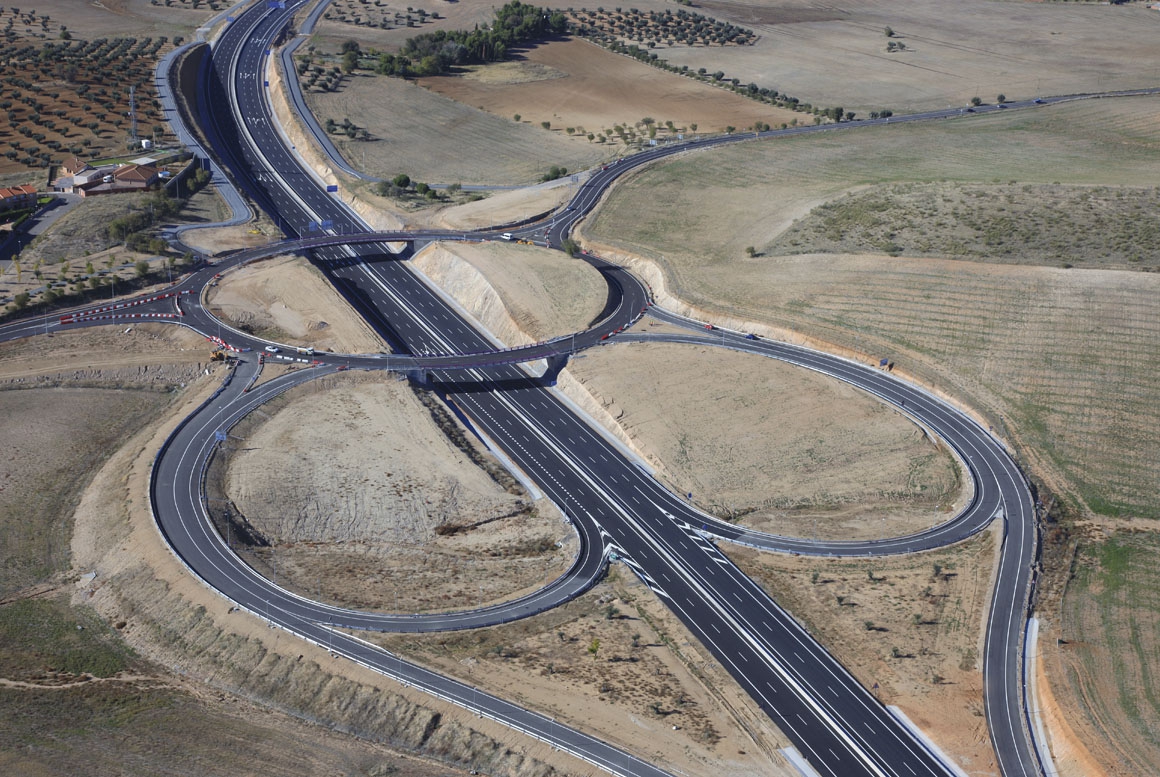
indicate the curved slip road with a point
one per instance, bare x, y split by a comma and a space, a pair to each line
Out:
653, 530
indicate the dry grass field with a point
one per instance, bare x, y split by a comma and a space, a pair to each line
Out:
1061, 361
910, 624
775, 447
75, 696
1104, 665
413, 129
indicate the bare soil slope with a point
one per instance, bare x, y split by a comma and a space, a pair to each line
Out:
372, 497
521, 293
287, 300
618, 664
777, 447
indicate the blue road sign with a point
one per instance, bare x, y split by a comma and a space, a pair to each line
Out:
332, 187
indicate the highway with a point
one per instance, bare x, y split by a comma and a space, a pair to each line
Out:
615, 506
836, 723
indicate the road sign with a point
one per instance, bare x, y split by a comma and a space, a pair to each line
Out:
327, 224
332, 187
219, 436
312, 226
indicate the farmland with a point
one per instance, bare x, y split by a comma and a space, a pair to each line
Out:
65, 97
1060, 361
836, 55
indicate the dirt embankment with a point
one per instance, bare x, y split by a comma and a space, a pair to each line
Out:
160, 356
505, 207
521, 294
287, 300
381, 501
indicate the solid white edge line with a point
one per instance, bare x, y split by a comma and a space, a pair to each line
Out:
918, 734
1030, 656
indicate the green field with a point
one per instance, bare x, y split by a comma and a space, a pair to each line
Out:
1111, 649
1033, 224
1061, 361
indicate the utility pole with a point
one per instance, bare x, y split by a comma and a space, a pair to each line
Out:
132, 114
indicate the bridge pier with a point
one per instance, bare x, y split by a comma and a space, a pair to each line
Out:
420, 377
555, 364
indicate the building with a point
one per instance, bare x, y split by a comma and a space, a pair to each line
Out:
107, 179
18, 197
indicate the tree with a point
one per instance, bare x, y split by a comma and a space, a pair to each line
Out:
142, 268
516, 117
546, 125
402, 180
349, 62
594, 647
1002, 98
750, 251
976, 100
570, 246
422, 188
20, 302
889, 32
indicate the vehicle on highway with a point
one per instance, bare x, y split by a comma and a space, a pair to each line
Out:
506, 235
710, 326
273, 349
1038, 101
305, 351
750, 336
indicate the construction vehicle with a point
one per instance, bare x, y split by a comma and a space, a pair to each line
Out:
218, 356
